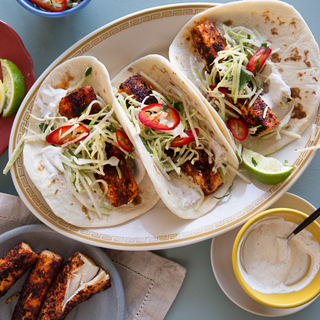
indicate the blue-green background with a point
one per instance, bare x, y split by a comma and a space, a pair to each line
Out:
200, 296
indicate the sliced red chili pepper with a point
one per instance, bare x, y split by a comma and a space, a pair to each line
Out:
74, 136
123, 141
179, 141
238, 128
57, 5
159, 117
258, 59
221, 89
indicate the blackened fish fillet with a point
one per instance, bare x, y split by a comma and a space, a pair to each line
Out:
14, 264
75, 102
37, 285
78, 281
135, 86
254, 115
121, 189
202, 174
208, 41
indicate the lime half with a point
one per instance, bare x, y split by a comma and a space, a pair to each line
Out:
265, 169
2, 96
14, 86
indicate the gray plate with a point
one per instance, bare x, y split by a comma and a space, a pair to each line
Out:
106, 305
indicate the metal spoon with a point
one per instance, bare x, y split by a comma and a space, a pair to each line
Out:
313, 216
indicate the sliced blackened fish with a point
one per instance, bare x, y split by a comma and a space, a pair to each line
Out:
135, 86
75, 102
208, 41
122, 187
201, 173
14, 264
256, 116
78, 281
37, 285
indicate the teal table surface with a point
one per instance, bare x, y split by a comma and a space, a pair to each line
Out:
200, 296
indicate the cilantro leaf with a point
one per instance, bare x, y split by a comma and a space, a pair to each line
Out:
165, 108
88, 71
176, 105
112, 127
43, 126
254, 162
245, 77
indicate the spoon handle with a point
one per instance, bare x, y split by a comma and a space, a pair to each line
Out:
306, 222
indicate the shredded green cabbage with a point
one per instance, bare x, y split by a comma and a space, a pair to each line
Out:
83, 159
169, 159
158, 142
228, 71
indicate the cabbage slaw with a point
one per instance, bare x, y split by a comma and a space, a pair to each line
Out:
229, 69
157, 142
229, 72
83, 159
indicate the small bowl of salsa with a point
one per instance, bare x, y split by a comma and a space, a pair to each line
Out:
272, 270
53, 8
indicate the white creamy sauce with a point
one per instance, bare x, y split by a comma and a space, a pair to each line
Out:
51, 159
178, 130
219, 153
277, 91
200, 65
165, 119
186, 194
49, 100
271, 264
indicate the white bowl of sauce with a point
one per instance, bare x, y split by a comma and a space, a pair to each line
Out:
273, 271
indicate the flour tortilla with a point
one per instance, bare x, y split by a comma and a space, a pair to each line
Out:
161, 71
297, 60
55, 189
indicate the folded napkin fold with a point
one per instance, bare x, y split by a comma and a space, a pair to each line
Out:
150, 282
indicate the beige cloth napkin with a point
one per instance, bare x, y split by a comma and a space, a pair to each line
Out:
150, 282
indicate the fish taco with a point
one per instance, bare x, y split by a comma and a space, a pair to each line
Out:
78, 154
257, 66
187, 158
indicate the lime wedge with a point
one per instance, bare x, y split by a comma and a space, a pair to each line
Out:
14, 86
265, 169
2, 96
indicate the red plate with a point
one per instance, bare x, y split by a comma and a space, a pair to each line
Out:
13, 49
